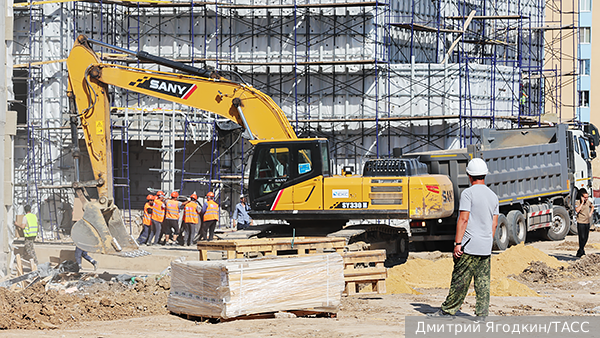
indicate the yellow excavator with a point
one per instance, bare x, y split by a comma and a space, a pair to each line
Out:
290, 179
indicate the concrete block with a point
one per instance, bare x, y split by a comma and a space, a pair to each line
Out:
9, 21
8, 192
11, 122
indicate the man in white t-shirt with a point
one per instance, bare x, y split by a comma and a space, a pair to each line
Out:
475, 229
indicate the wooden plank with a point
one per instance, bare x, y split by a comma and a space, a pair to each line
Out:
350, 288
20, 269
365, 254
366, 272
271, 246
380, 286
32, 265
364, 279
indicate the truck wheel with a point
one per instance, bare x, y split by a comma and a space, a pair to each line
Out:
561, 223
403, 246
501, 236
517, 227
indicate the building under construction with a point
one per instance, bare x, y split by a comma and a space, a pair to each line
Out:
370, 76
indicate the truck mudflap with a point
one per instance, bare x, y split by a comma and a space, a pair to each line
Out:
102, 230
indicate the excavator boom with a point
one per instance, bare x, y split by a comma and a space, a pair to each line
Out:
102, 228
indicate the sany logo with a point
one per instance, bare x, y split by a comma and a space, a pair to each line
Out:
181, 90
433, 188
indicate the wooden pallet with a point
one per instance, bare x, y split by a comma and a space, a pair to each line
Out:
268, 315
272, 246
364, 267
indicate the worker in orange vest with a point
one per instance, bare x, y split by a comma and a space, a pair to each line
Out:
210, 217
146, 220
171, 222
191, 216
158, 215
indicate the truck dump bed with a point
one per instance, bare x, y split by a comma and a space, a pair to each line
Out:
523, 163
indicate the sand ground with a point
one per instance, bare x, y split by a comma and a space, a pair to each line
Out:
362, 316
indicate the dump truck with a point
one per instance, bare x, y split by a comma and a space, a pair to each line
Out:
536, 173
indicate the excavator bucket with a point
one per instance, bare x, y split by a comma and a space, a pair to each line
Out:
102, 230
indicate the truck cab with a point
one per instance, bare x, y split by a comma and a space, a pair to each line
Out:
580, 163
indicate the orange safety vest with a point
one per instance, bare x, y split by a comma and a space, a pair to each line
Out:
190, 213
212, 211
172, 209
158, 213
146, 220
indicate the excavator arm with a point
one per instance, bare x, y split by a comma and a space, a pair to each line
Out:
102, 228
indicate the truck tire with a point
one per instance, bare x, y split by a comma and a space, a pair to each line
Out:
516, 226
561, 223
501, 236
403, 245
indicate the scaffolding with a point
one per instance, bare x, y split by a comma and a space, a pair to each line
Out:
370, 76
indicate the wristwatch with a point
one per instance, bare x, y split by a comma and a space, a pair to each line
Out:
457, 243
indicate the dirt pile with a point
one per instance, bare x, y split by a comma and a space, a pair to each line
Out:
36, 308
588, 265
425, 273
517, 258
505, 287
540, 272
421, 273
396, 286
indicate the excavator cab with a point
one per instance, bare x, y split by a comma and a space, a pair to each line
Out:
280, 166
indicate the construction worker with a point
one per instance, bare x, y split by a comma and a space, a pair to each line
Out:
240, 217
191, 216
171, 222
210, 217
146, 220
158, 215
30, 230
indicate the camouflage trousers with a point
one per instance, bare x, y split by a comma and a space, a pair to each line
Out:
467, 268
30, 250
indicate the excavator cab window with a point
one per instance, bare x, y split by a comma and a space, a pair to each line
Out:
324, 145
305, 164
272, 168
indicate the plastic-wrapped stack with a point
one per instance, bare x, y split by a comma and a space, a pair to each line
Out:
232, 288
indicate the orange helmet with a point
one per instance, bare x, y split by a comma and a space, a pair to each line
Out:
150, 197
174, 194
160, 193
194, 196
210, 194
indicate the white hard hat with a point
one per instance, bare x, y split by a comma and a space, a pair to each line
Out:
242, 196
477, 167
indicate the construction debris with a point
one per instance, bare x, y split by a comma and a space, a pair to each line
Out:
42, 307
